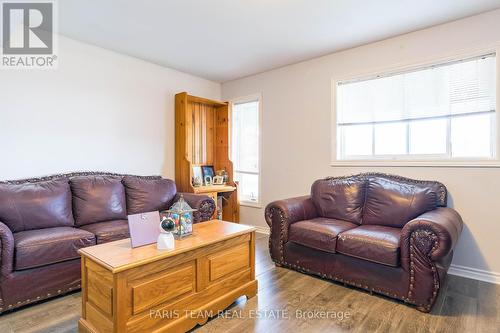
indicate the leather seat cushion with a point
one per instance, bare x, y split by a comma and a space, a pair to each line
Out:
147, 195
319, 233
341, 199
36, 205
375, 243
394, 203
108, 231
35, 248
97, 199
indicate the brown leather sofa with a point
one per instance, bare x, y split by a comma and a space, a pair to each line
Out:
386, 234
44, 221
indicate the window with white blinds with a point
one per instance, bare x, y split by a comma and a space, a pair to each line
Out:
446, 111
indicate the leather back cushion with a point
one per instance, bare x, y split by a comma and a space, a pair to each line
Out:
98, 198
147, 195
36, 205
393, 203
340, 199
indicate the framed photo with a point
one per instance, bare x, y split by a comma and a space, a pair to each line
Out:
218, 180
207, 171
197, 176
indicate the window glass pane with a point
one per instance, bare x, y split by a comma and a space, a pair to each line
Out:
245, 149
471, 136
357, 140
245, 140
428, 136
390, 139
248, 189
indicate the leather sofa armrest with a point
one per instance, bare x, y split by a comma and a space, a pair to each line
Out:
425, 242
280, 215
204, 205
6, 250
434, 234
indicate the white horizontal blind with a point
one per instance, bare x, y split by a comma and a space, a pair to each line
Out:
386, 108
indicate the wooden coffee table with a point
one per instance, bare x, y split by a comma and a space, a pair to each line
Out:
146, 290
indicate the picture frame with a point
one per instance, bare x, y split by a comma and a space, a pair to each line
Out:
197, 176
218, 180
207, 171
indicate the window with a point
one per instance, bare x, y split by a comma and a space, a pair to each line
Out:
245, 148
441, 112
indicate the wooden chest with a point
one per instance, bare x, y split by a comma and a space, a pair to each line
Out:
146, 290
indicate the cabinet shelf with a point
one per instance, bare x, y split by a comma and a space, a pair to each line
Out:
202, 130
214, 188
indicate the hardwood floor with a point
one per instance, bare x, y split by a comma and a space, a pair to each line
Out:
286, 297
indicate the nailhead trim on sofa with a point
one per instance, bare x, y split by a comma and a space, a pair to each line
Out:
416, 235
38, 298
416, 241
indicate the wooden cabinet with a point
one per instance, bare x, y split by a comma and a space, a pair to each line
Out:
144, 289
202, 137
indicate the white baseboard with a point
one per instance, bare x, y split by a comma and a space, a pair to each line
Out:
474, 273
262, 230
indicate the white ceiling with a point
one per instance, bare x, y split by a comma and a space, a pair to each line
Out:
222, 40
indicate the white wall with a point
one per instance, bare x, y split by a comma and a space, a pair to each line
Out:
296, 129
98, 110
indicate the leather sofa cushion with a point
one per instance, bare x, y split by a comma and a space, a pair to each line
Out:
97, 199
393, 203
35, 248
36, 205
108, 231
341, 199
147, 195
375, 243
319, 233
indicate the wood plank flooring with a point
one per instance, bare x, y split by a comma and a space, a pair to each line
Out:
286, 298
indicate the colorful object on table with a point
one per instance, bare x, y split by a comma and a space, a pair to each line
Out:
181, 214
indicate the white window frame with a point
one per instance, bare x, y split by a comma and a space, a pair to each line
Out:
240, 100
423, 160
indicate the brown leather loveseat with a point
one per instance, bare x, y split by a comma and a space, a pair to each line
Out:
44, 221
386, 234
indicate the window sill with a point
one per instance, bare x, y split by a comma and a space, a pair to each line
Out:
418, 163
250, 204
